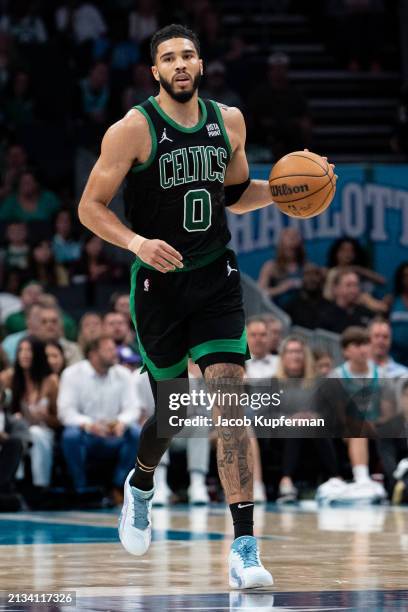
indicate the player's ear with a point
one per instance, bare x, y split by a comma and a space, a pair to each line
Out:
201, 67
155, 73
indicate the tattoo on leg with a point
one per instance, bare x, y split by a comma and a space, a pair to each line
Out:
234, 458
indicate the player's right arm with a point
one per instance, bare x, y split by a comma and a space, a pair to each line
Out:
124, 143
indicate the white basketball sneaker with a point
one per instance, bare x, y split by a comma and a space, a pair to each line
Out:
245, 568
362, 491
198, 494
330, 490
135, 525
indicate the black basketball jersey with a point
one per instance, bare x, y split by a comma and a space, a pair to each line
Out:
177, 194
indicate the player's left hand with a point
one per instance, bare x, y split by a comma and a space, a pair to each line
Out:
332, 166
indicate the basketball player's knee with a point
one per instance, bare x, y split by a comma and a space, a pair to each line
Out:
227, 371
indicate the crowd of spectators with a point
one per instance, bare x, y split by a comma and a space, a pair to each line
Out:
72, 409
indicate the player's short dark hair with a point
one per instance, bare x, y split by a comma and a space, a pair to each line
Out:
174, 30
354, 335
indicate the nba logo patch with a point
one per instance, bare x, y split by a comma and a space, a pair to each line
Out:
146, 285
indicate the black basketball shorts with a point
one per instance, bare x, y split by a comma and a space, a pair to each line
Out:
195, 313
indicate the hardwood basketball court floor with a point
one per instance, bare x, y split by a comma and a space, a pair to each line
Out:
321, 559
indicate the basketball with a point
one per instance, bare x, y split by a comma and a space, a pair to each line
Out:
302, 184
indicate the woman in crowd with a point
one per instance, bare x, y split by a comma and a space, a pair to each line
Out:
65, 244
44, 268
296, 373
281, 278
399, 314
34, 392
348, 253
55, 357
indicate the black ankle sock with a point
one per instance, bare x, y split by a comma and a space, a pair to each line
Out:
243, 518
142, 477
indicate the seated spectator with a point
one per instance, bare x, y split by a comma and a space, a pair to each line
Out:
48, 300
345, 310
99, 416
116, 326
19, 103
51, 329
368, 399
399, 314
14, 164
84, 19
24, 23
9, 302
393, 449
296, 370
197, 448
281, 278
30, 294
93, 105
143, 21
65, 244
279, 113
380, 346
94, 264
348, 253
141, 87
30, 202
55, 357
262, 363
124, 52
307, 307
14, 437
33, 397
90, 328
274, 329
216, 87
323, 361
44, 268
11, 342
16, 252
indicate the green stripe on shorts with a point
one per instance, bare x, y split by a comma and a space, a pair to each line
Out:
222, 345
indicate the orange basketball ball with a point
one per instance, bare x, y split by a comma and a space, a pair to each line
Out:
302, 184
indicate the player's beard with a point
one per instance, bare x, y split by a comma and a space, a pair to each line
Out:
181, 96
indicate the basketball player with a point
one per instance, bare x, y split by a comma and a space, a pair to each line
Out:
184, 161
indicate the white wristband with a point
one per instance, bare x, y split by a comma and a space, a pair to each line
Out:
135, 244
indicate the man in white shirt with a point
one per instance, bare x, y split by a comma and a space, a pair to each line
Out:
380, 345
97, 406
262, 364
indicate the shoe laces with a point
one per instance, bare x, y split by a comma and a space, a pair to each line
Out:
249, 554
140, 511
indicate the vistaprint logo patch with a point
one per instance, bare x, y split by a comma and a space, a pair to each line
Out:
213, 129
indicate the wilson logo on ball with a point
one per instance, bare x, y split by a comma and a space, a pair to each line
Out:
283, 190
